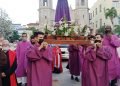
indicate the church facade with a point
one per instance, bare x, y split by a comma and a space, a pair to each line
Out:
79, 15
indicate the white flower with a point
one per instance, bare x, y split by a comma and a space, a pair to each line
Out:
66, 34
61, 28
66, 25
53, 33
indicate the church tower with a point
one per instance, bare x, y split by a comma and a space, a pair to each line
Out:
81, 12
46, 13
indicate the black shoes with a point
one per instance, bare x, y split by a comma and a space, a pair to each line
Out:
76, 79
72, 77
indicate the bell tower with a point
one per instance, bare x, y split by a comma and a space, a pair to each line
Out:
81, 12
46, 13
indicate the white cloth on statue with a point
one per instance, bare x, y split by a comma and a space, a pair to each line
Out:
22, 80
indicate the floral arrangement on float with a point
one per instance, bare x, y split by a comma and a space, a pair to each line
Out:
66, 31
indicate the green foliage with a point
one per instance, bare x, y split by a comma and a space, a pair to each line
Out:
47, 31
101, 30
15, 36
111, 13
117, 29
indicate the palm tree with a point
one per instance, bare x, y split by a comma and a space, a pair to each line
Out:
117, 29
111, 13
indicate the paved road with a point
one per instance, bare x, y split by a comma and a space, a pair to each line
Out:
64, 78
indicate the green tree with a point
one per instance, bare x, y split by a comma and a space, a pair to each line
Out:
111, 13
5, 25
15, 36
117, 29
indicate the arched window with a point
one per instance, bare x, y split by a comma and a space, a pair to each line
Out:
45, 2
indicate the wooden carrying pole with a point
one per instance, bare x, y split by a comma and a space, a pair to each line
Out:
80, 42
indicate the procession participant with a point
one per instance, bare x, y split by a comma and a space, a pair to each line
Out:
113, 42
3, 61
40, 63
74, 62
57, 60
8, 71
97, 57
21, 59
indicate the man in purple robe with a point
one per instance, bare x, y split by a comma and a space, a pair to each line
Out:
39, 71
74, 62
97, 57
114, 65
21, 56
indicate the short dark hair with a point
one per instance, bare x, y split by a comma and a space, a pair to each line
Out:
32, 37
38, 33
24, 33
100, 35
90, 37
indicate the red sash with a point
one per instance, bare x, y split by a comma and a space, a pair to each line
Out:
12, 56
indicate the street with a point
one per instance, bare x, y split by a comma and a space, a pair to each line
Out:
64, 79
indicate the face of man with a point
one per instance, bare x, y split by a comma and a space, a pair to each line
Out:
5, 45
24, 37
40, 38
98, 37
1, 39
108, 30
92, 40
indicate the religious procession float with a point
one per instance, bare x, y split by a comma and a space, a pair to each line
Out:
64, 31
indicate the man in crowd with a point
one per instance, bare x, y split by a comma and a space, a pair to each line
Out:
57, 60
114, 65
3, 62
97, 57
74, 62
22, 47
8, 70
32, 40
40, 63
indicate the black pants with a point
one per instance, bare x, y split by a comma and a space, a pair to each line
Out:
113, 82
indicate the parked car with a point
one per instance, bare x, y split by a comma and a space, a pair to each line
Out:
64, 49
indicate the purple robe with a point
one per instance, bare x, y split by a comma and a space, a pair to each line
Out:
21, 56
84, 67
39, 72
97, 74
74, 60
114, 64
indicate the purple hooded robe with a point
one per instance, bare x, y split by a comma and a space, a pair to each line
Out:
97, 74
74, 60
39, 72
21, 56
114, 64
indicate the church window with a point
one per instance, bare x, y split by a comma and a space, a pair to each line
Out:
82, 2
100, 8
45, 3
96, 11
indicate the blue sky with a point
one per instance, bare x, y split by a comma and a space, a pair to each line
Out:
25, 11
